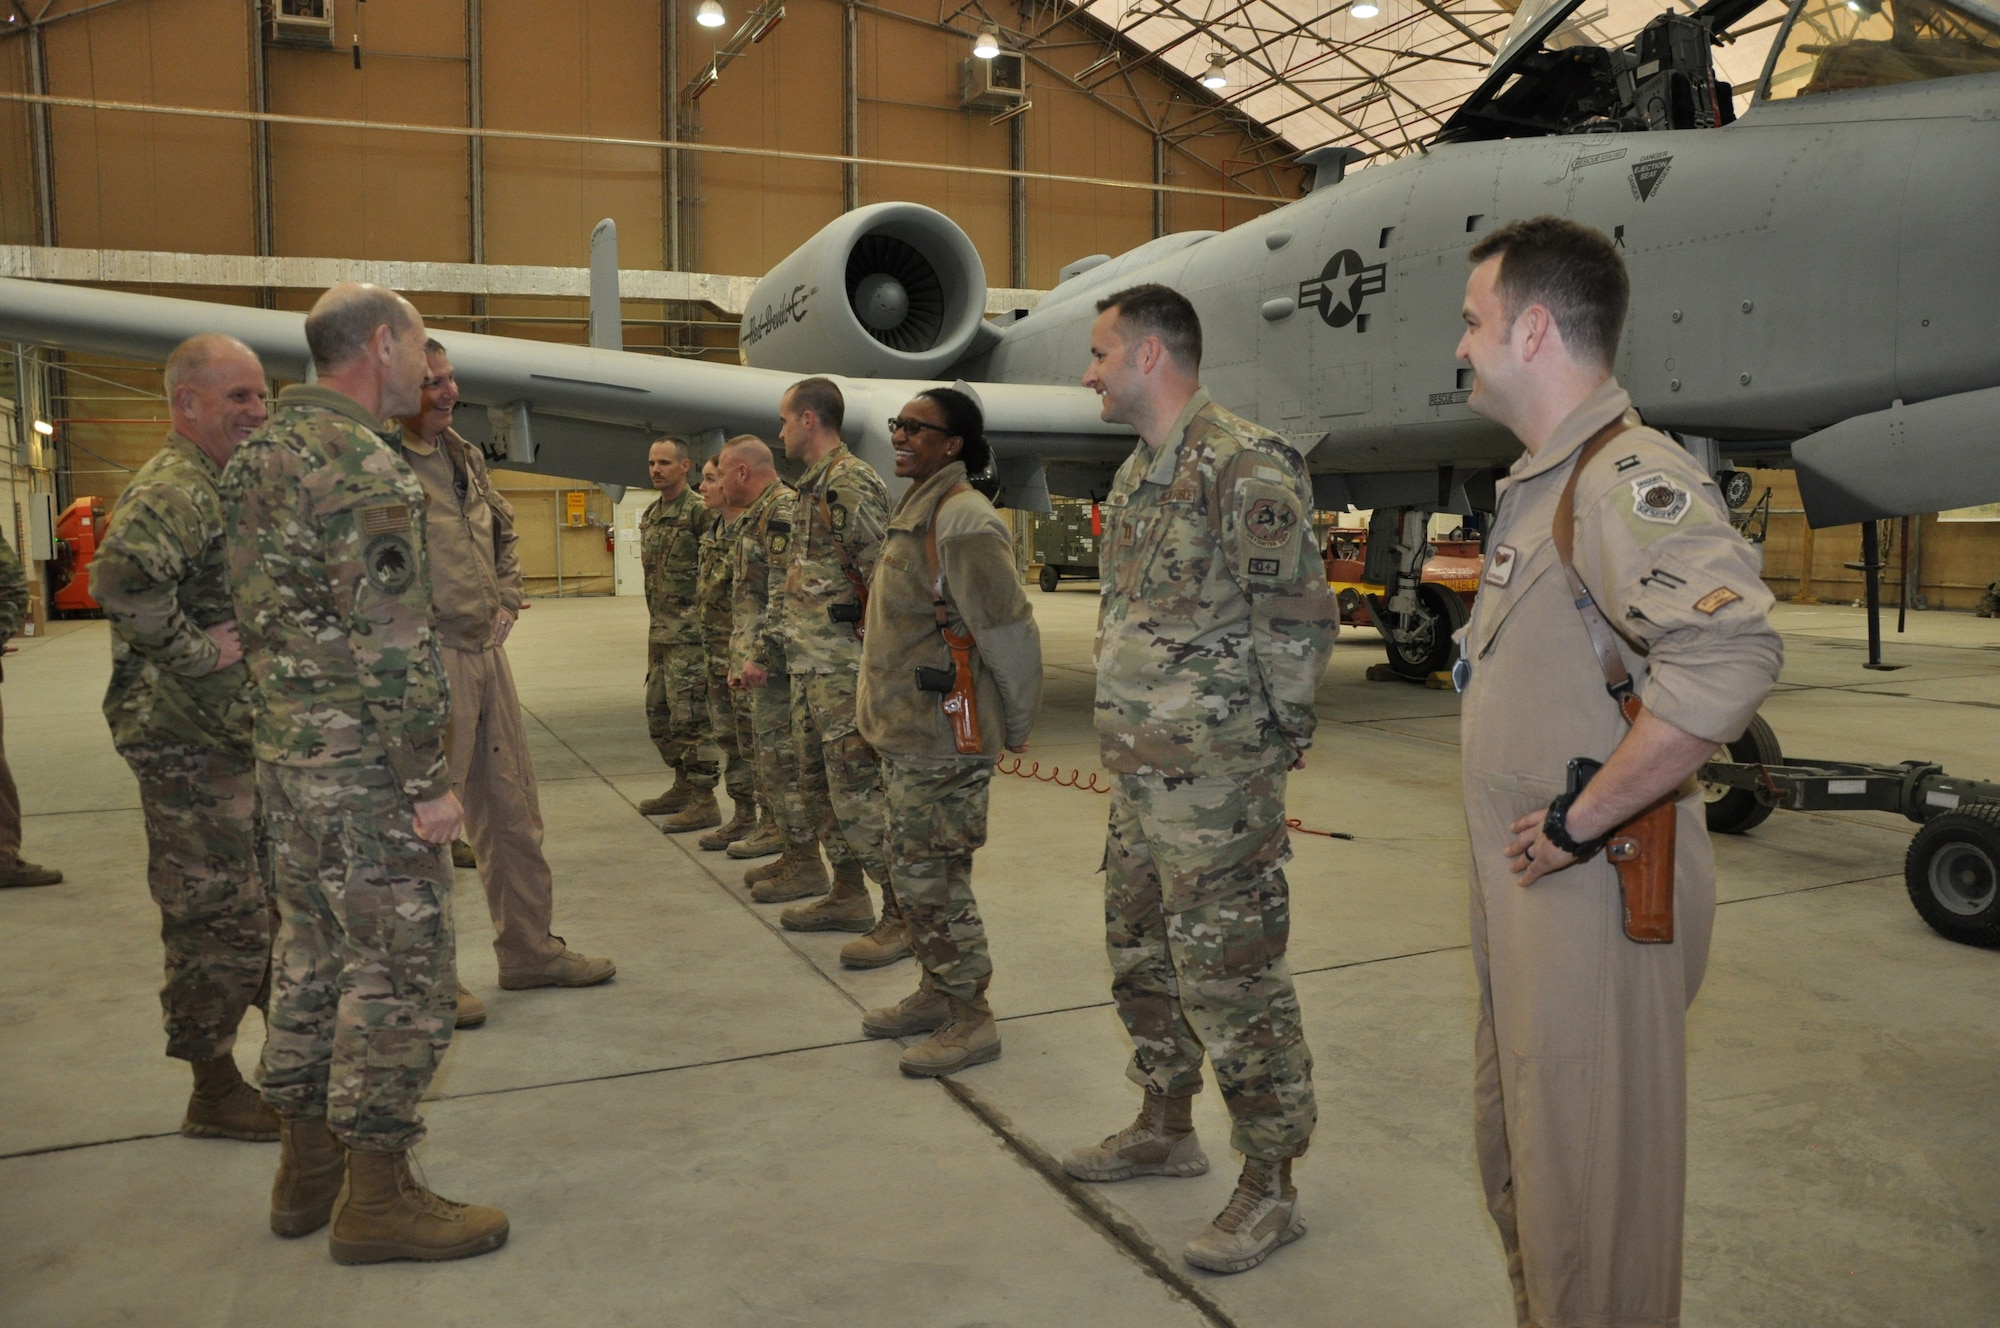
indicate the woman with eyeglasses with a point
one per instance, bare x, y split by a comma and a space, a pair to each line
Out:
951, 672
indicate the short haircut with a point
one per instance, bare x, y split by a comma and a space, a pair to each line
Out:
432, 346
963, 417
679, 445
822, 397
339, 326
1569, 269
191, 359
751, 450
1159, 311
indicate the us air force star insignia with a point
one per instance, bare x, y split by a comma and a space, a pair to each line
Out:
1341, 286
1270, 522
1500, 566
1657, 498
391, 563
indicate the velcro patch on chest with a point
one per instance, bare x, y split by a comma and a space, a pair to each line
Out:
1656, 497
381, 520
1717, 599
836, 516
1500, 565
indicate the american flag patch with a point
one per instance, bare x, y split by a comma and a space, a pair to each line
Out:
382, 520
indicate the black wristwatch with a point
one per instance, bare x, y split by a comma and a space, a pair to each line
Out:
1555, 829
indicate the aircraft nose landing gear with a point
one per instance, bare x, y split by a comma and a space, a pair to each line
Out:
1416, 618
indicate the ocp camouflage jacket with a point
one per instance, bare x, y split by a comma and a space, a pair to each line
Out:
713, 588
757, 581
160, 578
855, 518
325, 551
670, 552
1216, 619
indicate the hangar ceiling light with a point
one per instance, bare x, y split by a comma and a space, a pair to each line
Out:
1217, 75
710, 14
987, 44
1310, 69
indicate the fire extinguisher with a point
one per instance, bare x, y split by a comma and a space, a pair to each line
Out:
611, 539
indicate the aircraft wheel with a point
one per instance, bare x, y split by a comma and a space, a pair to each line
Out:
1050, 578
1953, 874
1736, 486
1428, 647
1731, 811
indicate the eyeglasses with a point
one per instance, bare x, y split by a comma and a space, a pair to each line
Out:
905, 425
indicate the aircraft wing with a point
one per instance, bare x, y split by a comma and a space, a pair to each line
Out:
575, 411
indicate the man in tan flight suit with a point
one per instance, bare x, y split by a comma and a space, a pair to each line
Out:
1580, 1094
476, 594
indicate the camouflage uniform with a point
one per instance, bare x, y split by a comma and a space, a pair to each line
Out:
670, 535
937, 795
325, 547
1215, 625
183, 725
13, 608
840, 778
729, 718
763, 544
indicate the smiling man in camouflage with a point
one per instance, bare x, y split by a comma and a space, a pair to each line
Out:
179, 710
1215, 625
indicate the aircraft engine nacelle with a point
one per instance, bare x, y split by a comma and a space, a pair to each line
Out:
892, 290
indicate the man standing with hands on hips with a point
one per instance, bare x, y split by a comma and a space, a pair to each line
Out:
1215, 625
325, 551
476, 593
1620, 621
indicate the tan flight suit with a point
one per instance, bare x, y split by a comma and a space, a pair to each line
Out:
1580, 1095
475, 573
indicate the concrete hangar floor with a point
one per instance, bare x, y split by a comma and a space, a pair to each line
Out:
710, 1140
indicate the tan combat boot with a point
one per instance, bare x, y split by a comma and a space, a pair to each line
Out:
971, 1038
1262, 1215
798, 873
471, 1010
1160, 1143
699, 813
386, 1213
924, 1010
672, 800
887, 942
742, 821
311, 1165
224, 1107
846, 907
762, 842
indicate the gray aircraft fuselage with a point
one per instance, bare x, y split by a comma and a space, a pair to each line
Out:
1817, 259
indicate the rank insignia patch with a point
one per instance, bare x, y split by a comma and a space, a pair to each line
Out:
1500, 565
1719, 598
391, 562
1263, 567
1655, 497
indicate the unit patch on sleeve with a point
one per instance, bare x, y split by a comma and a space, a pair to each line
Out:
381, 520
1500, 565
1719, 598
1271, 522
1656, 497
391, 562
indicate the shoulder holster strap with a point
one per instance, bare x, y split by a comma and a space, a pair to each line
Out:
961, 704
1603, 639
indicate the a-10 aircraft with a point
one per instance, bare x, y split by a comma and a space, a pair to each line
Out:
1814, 284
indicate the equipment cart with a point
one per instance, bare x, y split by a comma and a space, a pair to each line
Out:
1952, 869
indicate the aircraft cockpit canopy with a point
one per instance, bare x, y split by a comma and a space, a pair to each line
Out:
1551, 77
1841, 45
